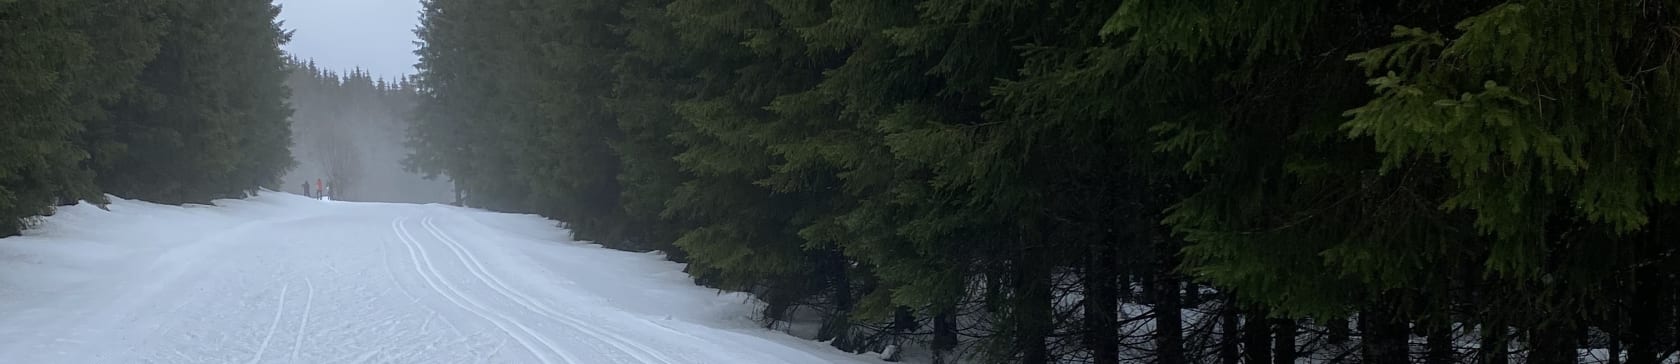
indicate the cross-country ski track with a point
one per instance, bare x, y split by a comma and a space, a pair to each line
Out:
281, 278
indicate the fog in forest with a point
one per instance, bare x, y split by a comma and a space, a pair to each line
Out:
348, 132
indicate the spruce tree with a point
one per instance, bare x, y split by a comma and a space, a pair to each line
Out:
69, 62
1495, 165
37, 71
208, 119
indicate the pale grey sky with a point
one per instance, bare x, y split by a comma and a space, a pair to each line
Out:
377, 35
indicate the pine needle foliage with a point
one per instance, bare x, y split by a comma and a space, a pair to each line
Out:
1014, 181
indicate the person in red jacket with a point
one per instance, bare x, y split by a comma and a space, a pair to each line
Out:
319, 188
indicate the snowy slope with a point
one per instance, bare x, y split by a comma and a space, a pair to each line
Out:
281, 278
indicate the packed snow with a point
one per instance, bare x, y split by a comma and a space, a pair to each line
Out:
283, 278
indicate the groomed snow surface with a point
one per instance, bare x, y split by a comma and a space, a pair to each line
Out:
283, 278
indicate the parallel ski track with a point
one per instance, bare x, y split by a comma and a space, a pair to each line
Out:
454, 295
297, 346
640, 352
385, 257
274, 325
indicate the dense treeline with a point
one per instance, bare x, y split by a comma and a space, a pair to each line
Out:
1102, 181
170, 101
350, 129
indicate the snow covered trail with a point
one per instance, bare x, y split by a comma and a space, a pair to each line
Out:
282, 278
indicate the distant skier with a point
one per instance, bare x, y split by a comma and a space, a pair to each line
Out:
320, 188
306, 189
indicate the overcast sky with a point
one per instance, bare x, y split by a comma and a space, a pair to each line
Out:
377, 35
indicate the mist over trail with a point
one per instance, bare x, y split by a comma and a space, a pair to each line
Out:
349, 129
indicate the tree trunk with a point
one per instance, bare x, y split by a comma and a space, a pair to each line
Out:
1169, 322
1495, 343
1337, 337
1440, 345
1229, 332
1033, 311
1385, 338
1257, 338
1192, 295
837, 326
1102, 334
994, 290
1644, 340
944, 337
1338, 331
1147, 295
1615, 351
1125, 285
904, 321
1551, 345
1283, 341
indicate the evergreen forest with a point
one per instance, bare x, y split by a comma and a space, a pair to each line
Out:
1072, 181
168, 101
